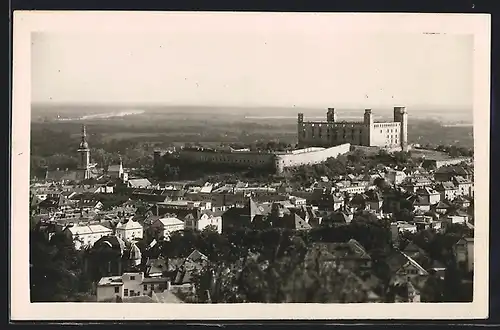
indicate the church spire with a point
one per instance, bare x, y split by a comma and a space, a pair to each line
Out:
84, 151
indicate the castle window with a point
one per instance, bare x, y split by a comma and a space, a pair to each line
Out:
117, 289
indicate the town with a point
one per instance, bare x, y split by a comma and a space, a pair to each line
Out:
353, 213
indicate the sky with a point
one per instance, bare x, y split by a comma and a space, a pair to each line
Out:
245, 66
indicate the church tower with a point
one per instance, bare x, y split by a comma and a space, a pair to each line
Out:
84, 151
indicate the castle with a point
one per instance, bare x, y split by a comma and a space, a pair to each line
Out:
366, 133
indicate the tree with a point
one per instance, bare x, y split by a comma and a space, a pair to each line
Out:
56, 270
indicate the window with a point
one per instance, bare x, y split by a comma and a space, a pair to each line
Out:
132, 278
117, 289
125, 292
132, 293
145, 287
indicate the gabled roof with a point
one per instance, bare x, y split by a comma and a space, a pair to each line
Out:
442, 205
113, 242
196, 256
447, 185
115, 168
415, 264
254, 208
137, 183
413, 248
158, 265
170, 221
351, 249
90, 229
129, 225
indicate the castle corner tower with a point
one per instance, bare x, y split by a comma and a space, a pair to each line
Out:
84, 151
300, 128
331, 115
401, 116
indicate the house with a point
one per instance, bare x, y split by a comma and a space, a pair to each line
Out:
423, 221
291, 220
130, 230
464, 186
420, 204
454, 219
138, 183
351, 254
164, 226
49, 205
324, 199
111, 256
395, 177
464, 253
249, 215
412, 183
107, 188
446, 173
156, 267
447, 190
298, 201
406, 292
130, 285
116, 171
207, 218
407, 227
184, 268
336, 217
429, 195
461, 202
409, 269
442, 207
90, 204
374, 201
86, 235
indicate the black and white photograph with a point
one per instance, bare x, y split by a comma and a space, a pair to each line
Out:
223, 160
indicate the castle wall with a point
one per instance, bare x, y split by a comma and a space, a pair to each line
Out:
241, 159
385, 135
326, 134
284, 161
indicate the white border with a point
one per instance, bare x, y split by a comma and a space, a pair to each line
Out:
155, 22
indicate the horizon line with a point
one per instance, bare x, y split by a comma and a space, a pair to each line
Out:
352, 106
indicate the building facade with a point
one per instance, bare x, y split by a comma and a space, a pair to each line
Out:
365, 133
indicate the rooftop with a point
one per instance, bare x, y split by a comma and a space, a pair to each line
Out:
111, 281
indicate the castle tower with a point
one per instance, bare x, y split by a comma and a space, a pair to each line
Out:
368, 117
401, 116
368, 121
84, 151
300, 128
331, 115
